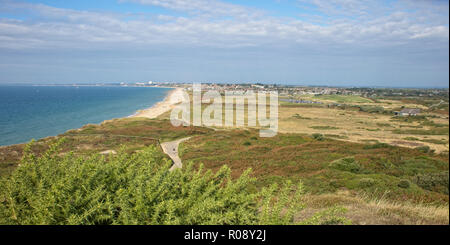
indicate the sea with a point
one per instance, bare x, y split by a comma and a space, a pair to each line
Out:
34, 112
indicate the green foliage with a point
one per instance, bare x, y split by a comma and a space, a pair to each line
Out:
332, 216
318, 137
377, 146
346, 164
424, 149
371, 109
295, 157
366, 182
433, 181
140, 189
343, 98
404, 184
432, 131
411, 138
436, 141
433, 141
384, 125
247, 143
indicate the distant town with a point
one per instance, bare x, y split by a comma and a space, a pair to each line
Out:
292, 90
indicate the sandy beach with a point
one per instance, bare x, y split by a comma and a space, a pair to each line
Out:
174, 97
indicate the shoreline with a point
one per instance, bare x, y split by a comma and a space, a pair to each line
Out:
173, 97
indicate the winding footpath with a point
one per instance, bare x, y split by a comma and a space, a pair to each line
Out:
171, 149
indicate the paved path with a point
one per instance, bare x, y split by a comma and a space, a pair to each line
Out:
171, 149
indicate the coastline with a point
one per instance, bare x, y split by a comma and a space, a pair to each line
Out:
173, 97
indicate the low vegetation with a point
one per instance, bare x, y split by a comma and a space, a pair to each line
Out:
324, 165
375, 180
139, 189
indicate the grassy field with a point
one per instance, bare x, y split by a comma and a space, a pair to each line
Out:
357, 126
337, 98
323, 164
382, 169
360, 121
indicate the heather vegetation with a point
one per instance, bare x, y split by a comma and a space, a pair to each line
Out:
376, 181
138, 188
325, 165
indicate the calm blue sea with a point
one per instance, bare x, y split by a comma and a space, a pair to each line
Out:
34, 112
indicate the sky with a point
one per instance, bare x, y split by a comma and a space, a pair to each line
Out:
387, 43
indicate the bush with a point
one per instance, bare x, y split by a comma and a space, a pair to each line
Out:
438, 182
424, 149
140, 189
366, 182
318, 137
404, 183
377, 146
346, 164
247, 143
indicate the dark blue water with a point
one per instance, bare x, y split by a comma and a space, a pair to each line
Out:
34, 112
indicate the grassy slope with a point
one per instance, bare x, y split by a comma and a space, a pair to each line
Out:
131, 133
300, 157
286, 156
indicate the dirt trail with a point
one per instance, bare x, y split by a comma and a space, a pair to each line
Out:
171, 149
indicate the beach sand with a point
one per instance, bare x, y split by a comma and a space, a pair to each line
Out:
174, 97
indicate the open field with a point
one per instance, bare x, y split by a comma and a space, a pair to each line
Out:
408, 181
324, 165
357, 126
361, 120
336, 98
375, 165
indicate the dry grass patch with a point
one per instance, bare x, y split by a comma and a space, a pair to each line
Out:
365, 210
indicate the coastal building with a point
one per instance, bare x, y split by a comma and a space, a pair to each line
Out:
408, 112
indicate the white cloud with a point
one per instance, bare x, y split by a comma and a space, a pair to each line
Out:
65, 28
207, 8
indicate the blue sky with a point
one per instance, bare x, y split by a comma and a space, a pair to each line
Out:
399, 43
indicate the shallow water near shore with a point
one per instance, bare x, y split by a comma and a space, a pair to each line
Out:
34, 112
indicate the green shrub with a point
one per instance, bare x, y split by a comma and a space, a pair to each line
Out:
346, 164
371, 109
433, 181
384, 125
335, 184
366, 182
404, 183
140, 189
377, 146
424, 149
411, 138
318, 137
247, 143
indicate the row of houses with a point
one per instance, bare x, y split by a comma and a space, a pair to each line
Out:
301, 101
408, 112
